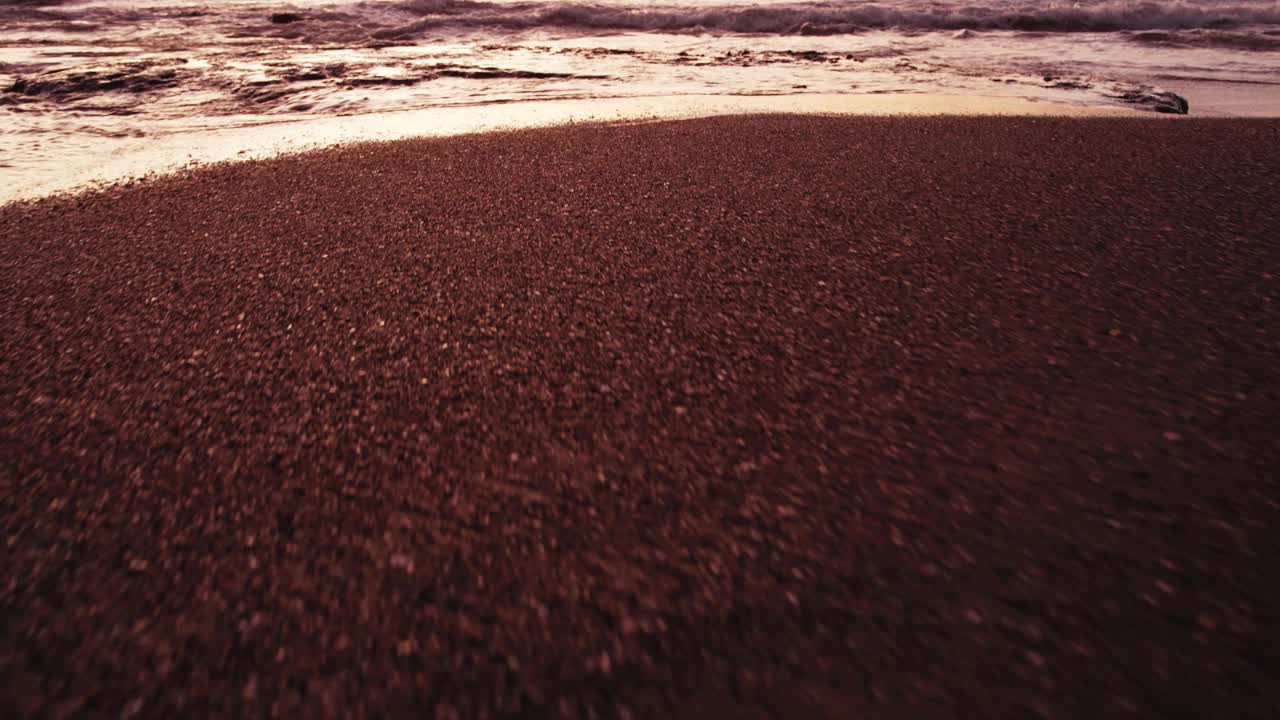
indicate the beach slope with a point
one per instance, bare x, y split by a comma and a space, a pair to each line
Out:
736, 417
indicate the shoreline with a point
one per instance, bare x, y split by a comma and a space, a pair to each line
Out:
127, 159
796, 415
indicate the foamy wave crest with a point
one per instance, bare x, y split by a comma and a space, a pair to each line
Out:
848, 17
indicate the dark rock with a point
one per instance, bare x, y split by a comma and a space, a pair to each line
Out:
1172, 103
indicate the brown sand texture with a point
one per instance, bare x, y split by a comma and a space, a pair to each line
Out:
746, 417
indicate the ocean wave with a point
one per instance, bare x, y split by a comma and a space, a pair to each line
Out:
849, 17
1208, 39
408, 20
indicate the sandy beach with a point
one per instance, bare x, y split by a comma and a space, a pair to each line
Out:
759, 416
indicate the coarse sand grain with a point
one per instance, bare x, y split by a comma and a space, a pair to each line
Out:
768, 416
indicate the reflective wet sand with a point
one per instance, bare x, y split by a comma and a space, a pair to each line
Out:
109, 159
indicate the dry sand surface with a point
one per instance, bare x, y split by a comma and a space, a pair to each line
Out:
739, 417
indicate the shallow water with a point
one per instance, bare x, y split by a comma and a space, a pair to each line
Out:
144, 84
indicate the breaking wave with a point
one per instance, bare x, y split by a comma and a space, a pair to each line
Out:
848, 17
1208, 39
1237, 22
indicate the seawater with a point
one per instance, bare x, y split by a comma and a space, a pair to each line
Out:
87, 81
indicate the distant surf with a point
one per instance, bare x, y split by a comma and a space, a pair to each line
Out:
777, 17
852, 16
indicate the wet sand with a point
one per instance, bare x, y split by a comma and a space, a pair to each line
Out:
73, 164
735, 417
